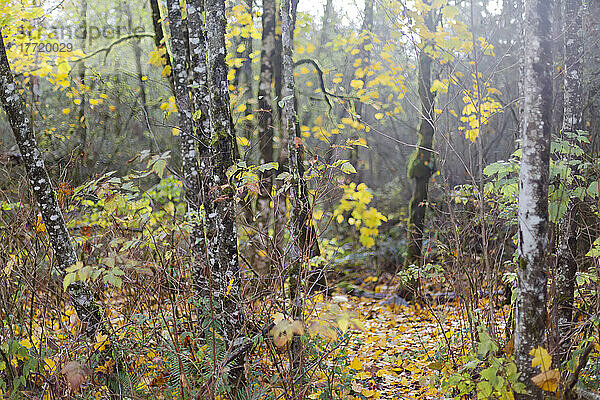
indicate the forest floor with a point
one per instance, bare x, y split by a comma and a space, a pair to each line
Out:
402, 351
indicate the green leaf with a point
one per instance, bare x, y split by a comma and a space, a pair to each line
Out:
268, 166
486, 344
159, 167
281, 102
348, 168
69, 278
484, 390
592, 189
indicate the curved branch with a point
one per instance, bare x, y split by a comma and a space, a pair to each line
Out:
326, 93
113, 44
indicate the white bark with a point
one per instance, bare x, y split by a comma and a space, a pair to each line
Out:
530, 315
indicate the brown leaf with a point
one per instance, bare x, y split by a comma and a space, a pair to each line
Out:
75, 374
547, 380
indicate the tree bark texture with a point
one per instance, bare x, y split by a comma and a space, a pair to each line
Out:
192, 184
289, 126
225, 273
41, 186
572, 121
530, 313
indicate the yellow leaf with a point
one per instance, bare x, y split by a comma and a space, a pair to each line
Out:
357, 83
310, 48
50, 366
229, 286
541, 358
368, 393
242, 141
175, 131
379, 116
66, 111
356, 364
547, 380
101, 342
94, 102
166, 71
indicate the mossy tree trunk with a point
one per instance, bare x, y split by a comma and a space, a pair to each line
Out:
536, 125
188, 134
43, 192
421, 164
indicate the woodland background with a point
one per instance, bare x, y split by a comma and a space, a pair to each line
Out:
224, 199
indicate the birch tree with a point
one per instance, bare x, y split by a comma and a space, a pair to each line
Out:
530, 314
43, 192
572, 121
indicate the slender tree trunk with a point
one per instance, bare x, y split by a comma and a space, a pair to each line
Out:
39, 180
364, 56
81, 124
265, 117
159, 37
137, 52
326, 22
199, 194
572, 121
421, 163
289, 123
225, 275
530, 314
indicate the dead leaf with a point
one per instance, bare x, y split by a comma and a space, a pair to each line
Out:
75, 374
547, 380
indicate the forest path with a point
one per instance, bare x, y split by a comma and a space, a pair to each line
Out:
402, 349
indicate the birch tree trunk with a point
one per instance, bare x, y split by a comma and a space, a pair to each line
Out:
421, 163
530, 313
41, 186
572, 121
225, 273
